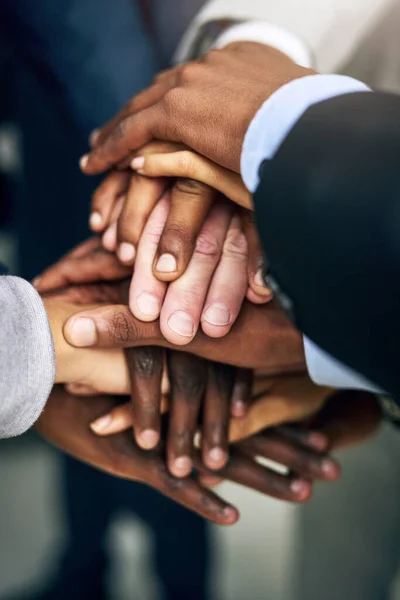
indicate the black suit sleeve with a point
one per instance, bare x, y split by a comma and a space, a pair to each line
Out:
328, 212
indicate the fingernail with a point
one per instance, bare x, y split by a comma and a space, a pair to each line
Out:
94, 136
197, 439
217, 314
259, 279
318, 441
180, 323
182, 466
148, 439
126, 252
95, 220
231, 514
300, 488
109, 238
138, 163
36, 282
330, 469
166, 263
260, 282
82, 332
217, 457
148, 304
238, 408
84, 161
101, 425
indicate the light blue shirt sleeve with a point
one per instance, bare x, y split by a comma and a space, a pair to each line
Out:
278, 115
266, 132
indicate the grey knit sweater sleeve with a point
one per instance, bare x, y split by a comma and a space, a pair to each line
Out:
27, 359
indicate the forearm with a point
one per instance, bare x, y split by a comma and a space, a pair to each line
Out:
27, 358
340, 191
267, 132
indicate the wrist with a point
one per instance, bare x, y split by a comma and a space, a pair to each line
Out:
209, 34
280, 112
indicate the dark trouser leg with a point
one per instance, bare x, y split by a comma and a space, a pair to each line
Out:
182, 543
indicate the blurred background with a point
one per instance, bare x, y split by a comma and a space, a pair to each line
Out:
67, 531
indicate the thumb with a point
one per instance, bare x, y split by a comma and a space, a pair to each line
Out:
111, 326
127, 134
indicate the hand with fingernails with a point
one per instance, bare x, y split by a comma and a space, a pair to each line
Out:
150, 374
179, 229
66, 421
227, 391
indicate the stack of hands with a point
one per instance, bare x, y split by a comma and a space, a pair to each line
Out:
179, 263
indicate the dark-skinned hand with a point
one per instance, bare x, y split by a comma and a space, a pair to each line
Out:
206, 104
66, 421
262, 337
194, 384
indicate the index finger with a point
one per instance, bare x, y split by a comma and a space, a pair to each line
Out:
96, 265
128, 134
161, 84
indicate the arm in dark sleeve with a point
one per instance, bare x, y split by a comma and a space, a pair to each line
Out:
95, 53
328, 211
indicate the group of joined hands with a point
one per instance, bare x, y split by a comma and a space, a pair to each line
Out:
176, 261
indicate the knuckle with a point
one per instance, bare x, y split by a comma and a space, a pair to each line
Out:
192, 386
189, 72
207, 504
147, 361
145, 408
181, 438
190, 187
187, 374
118, 131
168, 481
122, 329
214, 431
177, 238
212, 55
235, 244
172, 101
185, 163
208, 245
153, 235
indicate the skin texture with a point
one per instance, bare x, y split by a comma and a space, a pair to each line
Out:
261, 338
301, 451
194, 383
274, 400
65, 423
208, 295
74, 366
191, 382
206, 104
124, 202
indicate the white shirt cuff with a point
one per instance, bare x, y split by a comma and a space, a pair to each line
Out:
326, 370
280, 113
269, 34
